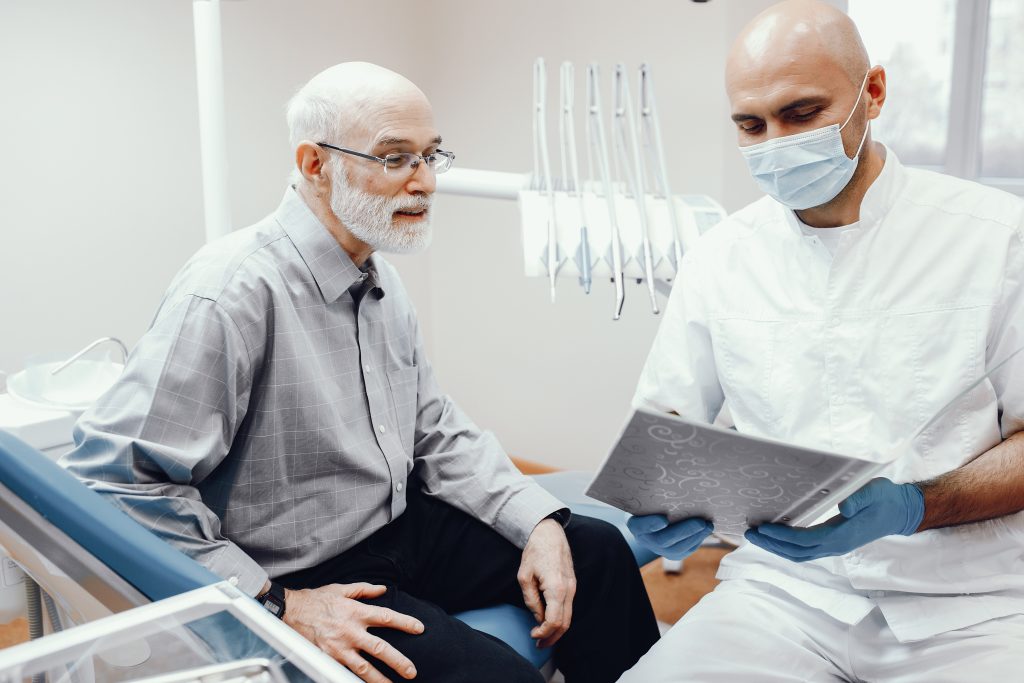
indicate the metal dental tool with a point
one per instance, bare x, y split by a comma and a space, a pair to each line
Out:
571, 171
540, 142
624, 140
655, 154
598, 153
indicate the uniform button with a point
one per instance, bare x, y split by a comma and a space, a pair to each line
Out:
398, 487
381, 428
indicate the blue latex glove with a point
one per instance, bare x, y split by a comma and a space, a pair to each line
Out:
674, 541
879, 508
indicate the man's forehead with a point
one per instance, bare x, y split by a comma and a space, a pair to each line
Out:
395, 124
773, 88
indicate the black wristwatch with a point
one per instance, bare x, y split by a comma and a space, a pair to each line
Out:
273, 600
561, 516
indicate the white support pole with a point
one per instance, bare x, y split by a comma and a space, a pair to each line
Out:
212, 143
488, 184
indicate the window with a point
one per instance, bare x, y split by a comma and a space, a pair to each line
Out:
955, 83
1002, 138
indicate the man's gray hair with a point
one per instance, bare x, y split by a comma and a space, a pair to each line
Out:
313, 114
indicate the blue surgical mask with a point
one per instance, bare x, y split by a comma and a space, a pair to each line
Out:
807, 169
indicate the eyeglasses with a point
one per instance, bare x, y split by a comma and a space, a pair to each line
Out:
438, 161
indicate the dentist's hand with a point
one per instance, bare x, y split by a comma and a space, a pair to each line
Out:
880, 508
674, 541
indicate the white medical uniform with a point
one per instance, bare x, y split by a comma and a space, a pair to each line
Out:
851, 351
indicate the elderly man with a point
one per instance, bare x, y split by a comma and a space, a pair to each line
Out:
281, 424
839, 312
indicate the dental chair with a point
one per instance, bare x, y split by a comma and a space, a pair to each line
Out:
94, 560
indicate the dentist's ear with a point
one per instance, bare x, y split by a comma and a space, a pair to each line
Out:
876, 91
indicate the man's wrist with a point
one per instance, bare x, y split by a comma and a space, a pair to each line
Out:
561, 516
273, 599
915, 508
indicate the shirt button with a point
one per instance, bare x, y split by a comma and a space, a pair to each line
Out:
399, 487
835, 322
366, 368
838, 401
381, 428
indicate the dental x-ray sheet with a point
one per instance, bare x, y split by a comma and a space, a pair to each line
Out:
664, 464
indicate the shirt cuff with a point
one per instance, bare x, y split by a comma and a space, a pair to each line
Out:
231, 562
523, 511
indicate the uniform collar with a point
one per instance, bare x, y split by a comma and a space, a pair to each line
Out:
331, 267
878, 200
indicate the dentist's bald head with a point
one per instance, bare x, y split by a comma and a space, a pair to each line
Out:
804, 35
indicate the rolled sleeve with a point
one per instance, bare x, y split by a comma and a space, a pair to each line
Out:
1007, 338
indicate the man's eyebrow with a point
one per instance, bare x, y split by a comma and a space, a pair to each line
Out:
398, 142
745, 117
789, 106
804, 102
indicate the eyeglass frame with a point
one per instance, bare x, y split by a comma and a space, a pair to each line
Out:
383, 161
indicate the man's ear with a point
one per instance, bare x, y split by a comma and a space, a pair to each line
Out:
876, 91
310, 163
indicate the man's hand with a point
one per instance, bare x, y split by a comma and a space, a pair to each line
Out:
546, 571
880, 508
334, 620
674, 541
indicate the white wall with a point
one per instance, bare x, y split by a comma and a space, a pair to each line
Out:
99, 175
555, 381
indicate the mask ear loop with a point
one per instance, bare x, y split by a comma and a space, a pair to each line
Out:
866, 124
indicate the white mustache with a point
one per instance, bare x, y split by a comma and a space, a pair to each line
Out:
423, 204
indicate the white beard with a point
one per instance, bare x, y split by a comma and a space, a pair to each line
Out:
370, 217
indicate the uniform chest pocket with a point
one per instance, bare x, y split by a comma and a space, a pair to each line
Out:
745, 353
404, 386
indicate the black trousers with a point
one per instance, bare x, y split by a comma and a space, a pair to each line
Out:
436, 560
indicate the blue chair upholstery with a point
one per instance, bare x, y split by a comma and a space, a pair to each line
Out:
512, 625
569, 486
154, 568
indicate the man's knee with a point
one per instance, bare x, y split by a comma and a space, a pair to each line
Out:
449, 650
598, 540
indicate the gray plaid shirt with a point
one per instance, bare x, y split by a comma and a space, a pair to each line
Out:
276, 410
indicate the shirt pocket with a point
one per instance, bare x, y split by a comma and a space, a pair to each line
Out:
745, 355
404, 384
922, 360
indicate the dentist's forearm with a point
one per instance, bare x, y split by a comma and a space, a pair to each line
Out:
990, 486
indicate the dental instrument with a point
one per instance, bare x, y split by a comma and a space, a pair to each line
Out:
625, 141
571, 171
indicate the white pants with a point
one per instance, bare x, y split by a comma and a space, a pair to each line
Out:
752, 632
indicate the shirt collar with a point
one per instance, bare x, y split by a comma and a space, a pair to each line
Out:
331, 267
878, 200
